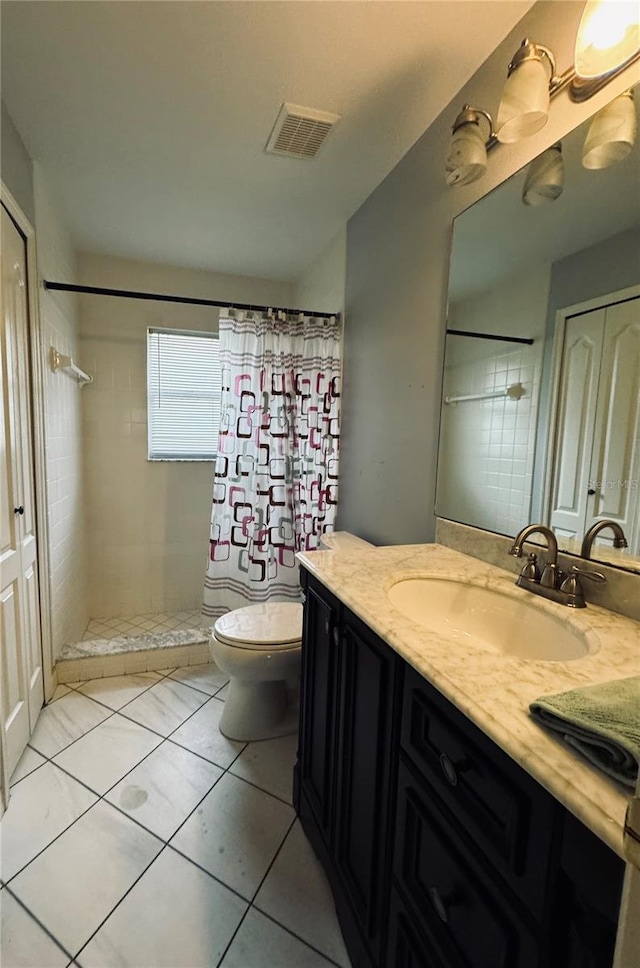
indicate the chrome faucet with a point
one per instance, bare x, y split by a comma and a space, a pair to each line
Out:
552, 583
619, 540
550, 576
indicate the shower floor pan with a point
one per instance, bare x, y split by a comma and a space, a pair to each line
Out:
138, 643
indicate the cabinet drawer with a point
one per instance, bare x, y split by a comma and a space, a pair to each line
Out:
459, 906
500, 808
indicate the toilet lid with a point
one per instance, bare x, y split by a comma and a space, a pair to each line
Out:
266, 626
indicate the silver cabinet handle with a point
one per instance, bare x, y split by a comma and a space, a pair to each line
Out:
438, 904
448, 769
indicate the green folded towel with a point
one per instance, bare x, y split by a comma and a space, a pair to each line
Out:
602, 721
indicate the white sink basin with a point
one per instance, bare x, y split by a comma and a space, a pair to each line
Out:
491, 618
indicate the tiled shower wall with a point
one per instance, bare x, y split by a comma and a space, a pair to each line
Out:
147, 522
487, 447
63, 428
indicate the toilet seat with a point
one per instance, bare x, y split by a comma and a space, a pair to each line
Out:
270, 626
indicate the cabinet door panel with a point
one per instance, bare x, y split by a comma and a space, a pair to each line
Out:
368, 674
409, 946
587, 903
460, 905
319, 706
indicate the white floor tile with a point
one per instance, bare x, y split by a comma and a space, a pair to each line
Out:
269, 764
165, 706
235, 833
23, 943
262, 944
74, 884
116, 691
28, 762
201, 734
209, 678
104, 755
223, 693
176, 916
163, 790
65, 721
296, 893
41, 807
59, 692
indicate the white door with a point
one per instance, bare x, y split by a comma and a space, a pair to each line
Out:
615, 467
597, 450
577, 403
21, 677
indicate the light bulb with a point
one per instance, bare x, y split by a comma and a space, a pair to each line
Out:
608, 36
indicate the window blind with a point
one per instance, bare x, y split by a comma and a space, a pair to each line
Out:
183, 394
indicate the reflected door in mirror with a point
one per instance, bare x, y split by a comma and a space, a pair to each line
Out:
596, 462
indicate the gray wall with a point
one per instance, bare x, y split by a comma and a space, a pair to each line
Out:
397, 264
609, 266
15, 166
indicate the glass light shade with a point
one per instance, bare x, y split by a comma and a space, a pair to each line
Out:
545, 178
612, 133
524, 107
467, 158
608, 36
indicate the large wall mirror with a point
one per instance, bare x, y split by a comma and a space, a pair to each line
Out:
541, 400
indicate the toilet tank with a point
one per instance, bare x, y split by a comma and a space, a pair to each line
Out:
343, 541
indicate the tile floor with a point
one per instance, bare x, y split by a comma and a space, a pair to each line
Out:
111, 628
138, 836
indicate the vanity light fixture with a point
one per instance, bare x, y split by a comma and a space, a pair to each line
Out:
608, 41
608, 37
467, 158
545, 177
524, 106
612, 133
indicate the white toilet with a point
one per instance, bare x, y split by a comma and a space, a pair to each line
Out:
259, 648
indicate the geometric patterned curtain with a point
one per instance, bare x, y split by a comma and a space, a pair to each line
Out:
276, 473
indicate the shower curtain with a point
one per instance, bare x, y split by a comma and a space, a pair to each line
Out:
276, 472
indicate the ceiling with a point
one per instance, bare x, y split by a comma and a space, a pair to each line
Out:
151, 118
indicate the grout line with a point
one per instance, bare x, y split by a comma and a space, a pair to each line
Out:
40, 924
255, 893
57, 836
211, 695
256, 786
73, 741
275, 920
118, 903
167, 843
299, 937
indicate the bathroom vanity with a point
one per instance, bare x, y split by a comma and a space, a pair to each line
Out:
455, 832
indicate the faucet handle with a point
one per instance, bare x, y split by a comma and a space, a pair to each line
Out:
593, 575
531, 570
572, 587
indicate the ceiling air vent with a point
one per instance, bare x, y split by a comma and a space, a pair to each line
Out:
300, 132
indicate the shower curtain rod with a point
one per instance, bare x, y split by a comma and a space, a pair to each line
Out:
189, 300
502, 339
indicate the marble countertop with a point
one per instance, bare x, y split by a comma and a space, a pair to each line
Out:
494, 690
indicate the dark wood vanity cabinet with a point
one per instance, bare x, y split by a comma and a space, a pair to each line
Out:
440, 850
349, 726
